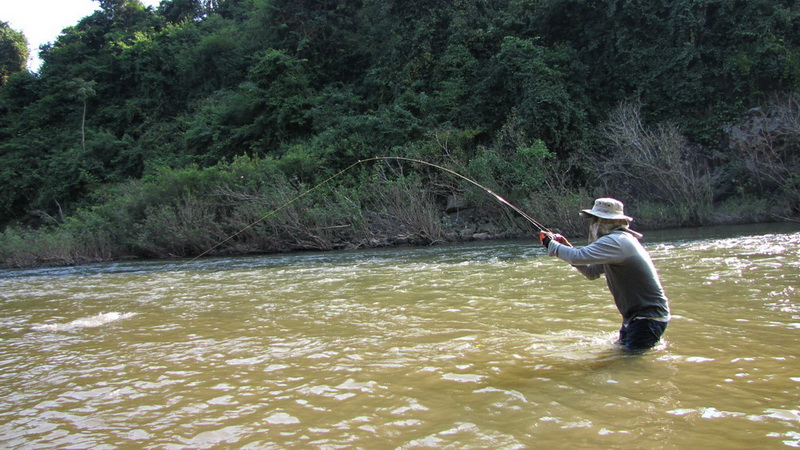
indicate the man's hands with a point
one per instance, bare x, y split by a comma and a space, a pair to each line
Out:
546, 236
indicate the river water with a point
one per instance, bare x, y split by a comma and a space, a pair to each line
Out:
485, 345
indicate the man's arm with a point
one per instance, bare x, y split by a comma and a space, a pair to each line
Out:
605, 250
589, 260
590, 271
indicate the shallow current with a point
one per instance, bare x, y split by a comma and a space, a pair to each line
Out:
485, 345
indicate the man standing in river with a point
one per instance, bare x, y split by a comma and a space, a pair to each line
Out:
614, 250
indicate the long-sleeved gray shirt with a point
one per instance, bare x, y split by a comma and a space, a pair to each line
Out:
630, 274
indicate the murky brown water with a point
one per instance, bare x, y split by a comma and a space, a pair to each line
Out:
490, 345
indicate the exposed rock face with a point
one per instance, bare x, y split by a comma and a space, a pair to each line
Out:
456, 203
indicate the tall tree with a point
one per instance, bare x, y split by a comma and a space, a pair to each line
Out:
13, 52
83, 90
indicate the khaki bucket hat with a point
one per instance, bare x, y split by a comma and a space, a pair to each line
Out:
606, 208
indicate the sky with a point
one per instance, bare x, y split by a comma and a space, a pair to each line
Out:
41, 21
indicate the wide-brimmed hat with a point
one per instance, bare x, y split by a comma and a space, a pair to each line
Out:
606, 208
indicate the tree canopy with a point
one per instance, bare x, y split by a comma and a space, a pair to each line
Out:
13, 52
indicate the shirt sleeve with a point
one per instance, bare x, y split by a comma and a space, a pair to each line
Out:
590, 271
606, 250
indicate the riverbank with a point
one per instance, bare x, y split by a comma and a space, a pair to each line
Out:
67, 246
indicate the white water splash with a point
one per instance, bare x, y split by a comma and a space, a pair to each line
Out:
85, 322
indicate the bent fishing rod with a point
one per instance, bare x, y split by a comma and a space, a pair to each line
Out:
535, 223
539, 227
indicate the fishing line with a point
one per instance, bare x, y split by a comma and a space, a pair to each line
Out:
530, 219
275, 211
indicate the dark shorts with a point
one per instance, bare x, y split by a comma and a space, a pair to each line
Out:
641, 334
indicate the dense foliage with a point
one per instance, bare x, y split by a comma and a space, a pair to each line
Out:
130, 138
13, 51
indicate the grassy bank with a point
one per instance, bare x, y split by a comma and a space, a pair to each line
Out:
249, 207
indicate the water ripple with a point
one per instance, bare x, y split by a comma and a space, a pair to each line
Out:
482, 345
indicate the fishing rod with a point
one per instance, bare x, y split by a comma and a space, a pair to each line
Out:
539, 227
544, 232
534, 222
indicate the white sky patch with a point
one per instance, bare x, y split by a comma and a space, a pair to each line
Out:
41, 21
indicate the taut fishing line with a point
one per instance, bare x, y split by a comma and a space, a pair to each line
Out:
539, 226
